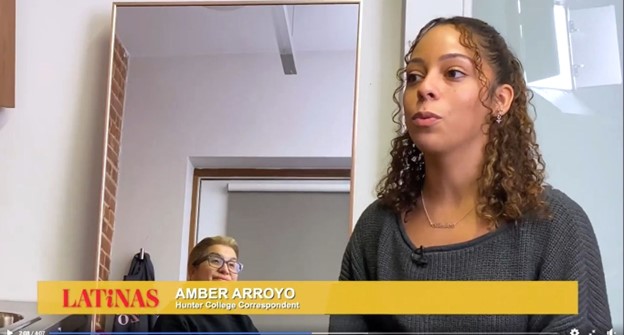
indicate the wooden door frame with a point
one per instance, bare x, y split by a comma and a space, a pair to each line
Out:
253, 174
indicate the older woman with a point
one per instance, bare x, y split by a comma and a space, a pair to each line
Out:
214, 258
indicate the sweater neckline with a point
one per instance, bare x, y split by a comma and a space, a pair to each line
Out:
453, 246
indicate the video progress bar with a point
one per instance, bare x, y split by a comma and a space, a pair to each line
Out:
302, 333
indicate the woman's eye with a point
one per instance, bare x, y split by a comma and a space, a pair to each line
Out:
455, 74
413, 77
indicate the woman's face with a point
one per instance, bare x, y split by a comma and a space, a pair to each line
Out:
220, 265
443, 111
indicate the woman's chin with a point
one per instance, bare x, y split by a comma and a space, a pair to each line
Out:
432, 144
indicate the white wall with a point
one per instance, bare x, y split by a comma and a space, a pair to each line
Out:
380, 58
212, 106
212, 209
418, 13
51, 144
240, 105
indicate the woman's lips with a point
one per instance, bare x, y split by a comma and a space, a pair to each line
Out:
425, 119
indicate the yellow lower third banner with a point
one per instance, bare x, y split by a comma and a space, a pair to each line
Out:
308, 297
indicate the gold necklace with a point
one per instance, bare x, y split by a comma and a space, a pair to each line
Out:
445, 225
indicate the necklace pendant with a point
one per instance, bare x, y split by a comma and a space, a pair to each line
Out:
443, 225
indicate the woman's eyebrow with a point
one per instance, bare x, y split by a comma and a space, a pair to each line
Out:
418, 60
225, 259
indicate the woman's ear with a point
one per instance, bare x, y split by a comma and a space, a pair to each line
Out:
503, 97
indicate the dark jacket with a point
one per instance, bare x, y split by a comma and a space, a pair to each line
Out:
140, 269
205, 323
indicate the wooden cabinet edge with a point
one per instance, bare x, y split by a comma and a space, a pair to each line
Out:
7, 53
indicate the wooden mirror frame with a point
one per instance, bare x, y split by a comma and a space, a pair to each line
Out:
7, 53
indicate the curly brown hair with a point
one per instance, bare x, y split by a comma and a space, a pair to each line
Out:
512, 178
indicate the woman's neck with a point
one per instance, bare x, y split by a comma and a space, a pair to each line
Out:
452, 179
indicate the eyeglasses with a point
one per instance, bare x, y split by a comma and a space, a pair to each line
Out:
215, 261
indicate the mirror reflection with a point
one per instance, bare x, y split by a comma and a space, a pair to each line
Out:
231, 120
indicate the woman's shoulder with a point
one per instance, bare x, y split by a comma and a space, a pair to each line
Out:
565, 217
372, 218
563, 209
560, 203
370, 226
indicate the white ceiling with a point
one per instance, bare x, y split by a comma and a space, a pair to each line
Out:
205, 30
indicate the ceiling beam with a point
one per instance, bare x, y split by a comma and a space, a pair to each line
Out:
283, 34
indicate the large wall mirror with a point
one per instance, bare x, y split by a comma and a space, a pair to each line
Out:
232, 118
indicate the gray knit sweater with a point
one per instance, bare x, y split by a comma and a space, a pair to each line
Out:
564, 248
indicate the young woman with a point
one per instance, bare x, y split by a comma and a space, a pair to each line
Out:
213, 258
464, 197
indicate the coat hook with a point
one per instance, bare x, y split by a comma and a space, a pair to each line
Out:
142, 254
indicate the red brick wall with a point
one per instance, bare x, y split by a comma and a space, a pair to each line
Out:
118, 90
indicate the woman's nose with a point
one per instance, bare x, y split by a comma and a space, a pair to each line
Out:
427, 89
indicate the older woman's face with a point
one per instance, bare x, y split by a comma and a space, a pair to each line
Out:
210, 270
443, 110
